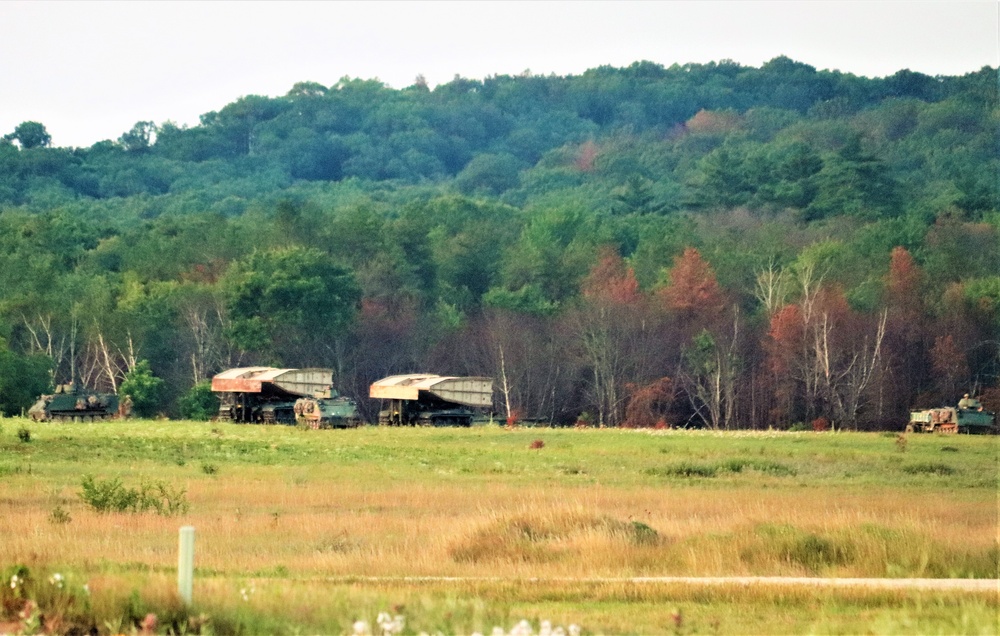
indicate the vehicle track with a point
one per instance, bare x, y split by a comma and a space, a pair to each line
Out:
966, 585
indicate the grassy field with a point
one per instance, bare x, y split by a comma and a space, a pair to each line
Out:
309, 531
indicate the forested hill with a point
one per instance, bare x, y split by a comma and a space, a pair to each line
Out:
710, 244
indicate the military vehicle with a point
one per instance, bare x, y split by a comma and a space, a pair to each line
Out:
424, 399
949, 419
266, 395
70, 403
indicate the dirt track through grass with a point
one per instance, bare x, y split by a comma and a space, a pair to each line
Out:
966, 585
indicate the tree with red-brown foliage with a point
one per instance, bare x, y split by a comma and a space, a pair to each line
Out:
906, 357
825, 354
648, 404
586, 157
611, 280
616, 340
951, 366
693, 292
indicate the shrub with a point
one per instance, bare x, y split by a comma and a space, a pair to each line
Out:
143, 388
24, 434
59, 516
930, 468
820, 424
199, 403
111, 496
684, 469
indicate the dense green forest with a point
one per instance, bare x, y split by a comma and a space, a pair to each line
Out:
707, 244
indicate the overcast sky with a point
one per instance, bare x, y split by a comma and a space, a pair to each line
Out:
89, 70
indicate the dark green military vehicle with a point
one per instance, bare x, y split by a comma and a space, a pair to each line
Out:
70, 403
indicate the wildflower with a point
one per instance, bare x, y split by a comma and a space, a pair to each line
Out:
148, 625
390, 624
545, 629
361, 628
497, 631
522, 629
86, 589
15, 581
247, 592
574, 630
57, 580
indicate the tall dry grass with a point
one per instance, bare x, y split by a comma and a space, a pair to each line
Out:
303, 514
257, 523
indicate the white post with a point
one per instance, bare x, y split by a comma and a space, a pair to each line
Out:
185, 564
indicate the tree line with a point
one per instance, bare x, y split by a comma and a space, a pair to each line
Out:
711, 245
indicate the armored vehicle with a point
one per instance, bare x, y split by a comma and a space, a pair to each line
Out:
265, 395
333, 412
70, 403
424, 399
949, 419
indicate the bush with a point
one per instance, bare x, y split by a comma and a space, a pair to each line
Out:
24, 435
143, 388
199, 403
111, 496
930, 468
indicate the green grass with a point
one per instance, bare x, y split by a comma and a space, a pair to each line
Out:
300, 515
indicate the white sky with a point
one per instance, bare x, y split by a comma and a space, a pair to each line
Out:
89, 70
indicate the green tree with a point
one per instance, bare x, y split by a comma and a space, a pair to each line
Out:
22, 379
143, 388
490, 173
139, 138
290, 304
30, 134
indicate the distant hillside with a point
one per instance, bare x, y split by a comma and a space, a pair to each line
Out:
423, 225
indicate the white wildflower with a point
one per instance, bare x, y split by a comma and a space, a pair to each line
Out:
57, 580
558, 631
574, 630
361, 628
498, 631
545, 628
522, 629
15, 581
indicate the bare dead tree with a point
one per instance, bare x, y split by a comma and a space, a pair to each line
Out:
46, 341
772, 287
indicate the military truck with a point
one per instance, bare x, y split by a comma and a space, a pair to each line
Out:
434, 400
71, 403
950, 419
266, 395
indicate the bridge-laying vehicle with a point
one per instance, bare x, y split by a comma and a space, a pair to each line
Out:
434, 400
266, 395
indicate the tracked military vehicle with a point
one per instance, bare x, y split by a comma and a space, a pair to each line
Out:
71, 403
434, 400
949, 419
265, 395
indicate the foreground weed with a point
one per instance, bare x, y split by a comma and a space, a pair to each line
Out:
111, 495
930, 468
59, 516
